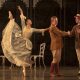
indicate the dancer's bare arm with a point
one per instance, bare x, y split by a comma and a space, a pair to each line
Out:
22, 17
21, 11
40, 30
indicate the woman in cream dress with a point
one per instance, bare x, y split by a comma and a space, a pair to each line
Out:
27, 31
16, 43
13, 44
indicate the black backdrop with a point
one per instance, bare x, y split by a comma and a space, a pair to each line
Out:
41, 19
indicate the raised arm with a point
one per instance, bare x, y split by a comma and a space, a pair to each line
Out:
21, 11
22, 17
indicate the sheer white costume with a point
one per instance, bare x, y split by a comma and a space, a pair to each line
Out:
16, 44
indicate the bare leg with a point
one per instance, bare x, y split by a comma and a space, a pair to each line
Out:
24, 71
78, 56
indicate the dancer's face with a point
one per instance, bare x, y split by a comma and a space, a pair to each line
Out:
29, 22
77, 19
54, 21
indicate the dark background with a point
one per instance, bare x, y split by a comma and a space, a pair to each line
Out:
40, 16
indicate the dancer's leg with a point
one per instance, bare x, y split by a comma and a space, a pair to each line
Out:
58, 61
78, 56
24, 70
52, 67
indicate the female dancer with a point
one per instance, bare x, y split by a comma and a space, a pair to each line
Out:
27, 30
16, 44
13, 44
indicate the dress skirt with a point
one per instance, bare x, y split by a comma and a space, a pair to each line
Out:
15, 48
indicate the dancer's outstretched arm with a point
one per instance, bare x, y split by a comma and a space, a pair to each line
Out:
57, 31
22, 17
40, 30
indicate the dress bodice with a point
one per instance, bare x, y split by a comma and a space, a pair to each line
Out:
27, 33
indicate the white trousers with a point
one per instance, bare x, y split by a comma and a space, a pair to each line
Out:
78, 55
56, 56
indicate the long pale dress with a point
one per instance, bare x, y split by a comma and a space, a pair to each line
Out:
14, 46
16, 43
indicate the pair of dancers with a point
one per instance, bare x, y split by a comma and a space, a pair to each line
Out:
56, 43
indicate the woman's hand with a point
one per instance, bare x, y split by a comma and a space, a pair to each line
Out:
43, 30
21, 11
19, 8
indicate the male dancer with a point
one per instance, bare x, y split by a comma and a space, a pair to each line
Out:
76, 32
56, 45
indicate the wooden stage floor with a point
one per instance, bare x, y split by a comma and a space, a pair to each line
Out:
70, 73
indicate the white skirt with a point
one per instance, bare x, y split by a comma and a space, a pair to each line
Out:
15, 48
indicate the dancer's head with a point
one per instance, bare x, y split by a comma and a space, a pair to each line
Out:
77, 18
29, 22
54, 20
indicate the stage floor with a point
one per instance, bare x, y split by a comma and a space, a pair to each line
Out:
70, 73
